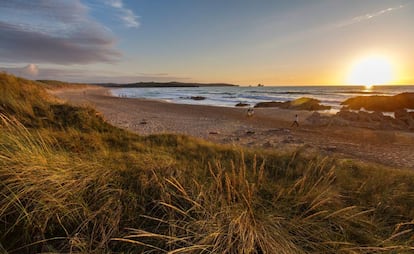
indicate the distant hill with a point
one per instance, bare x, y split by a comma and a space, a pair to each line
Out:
163, 84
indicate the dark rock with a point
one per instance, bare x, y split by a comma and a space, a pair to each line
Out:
241, 104
406, 117
318, 120
377, 116
213, 132
270, 104
364, 116
402, 114
314, 118
198, 98
381, 103
348, 115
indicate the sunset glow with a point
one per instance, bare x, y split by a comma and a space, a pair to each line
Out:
372, 70
274, 43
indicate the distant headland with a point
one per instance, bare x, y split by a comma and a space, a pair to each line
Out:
163, 84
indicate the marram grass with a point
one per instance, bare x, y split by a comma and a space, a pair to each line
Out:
70, 183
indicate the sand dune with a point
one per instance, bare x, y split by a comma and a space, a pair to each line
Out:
269, 128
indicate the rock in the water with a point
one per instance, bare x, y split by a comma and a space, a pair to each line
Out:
241, 104
269, 104
198, 98
303, 103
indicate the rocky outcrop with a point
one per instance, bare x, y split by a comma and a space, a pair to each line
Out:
405, 118
318, 120
402, 120
381, 103
303, 103
324, 120
306, 103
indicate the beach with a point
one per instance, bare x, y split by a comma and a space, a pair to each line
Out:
268, 128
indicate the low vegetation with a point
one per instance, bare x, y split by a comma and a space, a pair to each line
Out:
71, 183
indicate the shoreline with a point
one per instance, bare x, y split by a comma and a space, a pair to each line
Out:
332, 97
269, 128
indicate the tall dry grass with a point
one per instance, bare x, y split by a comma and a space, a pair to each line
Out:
52, 198
70, 183
238, 210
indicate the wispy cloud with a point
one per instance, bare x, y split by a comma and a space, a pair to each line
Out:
367, 16
33, 71
59, 32
127, 15
327, 28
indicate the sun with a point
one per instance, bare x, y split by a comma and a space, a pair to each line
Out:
370, 71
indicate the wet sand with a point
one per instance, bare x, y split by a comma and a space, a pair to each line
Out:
268, 128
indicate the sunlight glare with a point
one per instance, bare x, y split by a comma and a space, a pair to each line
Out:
370, 71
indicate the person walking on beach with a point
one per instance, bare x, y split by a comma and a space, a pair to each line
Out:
250, 112
296, 122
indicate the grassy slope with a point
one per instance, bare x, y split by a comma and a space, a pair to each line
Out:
69, 182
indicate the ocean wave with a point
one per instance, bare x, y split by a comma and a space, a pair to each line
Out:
288, 92
331, 96
362, 92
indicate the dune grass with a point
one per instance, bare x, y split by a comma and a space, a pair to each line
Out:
71, 183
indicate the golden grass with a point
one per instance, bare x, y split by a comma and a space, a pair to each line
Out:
45, 191
74, 184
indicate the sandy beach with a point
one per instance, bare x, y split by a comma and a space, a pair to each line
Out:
269, 128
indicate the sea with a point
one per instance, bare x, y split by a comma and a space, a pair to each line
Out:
229, 96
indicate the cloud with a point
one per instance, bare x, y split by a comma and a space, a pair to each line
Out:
367, 16
324, 29
127, 15
32, 71
59, 32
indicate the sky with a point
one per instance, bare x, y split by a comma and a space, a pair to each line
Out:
245, 42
